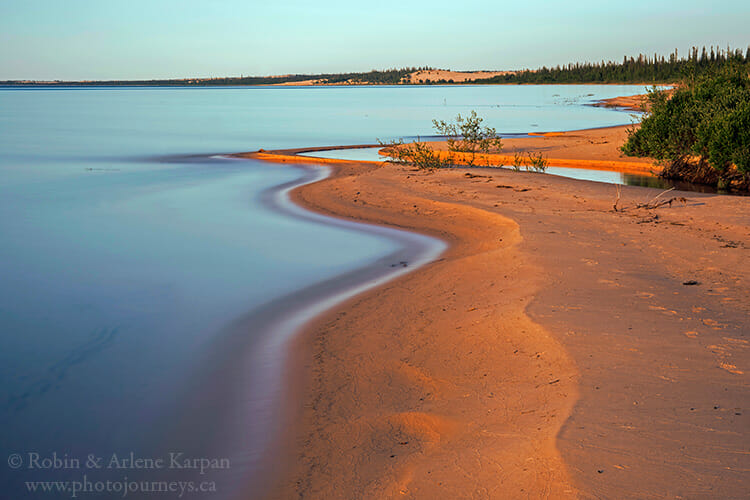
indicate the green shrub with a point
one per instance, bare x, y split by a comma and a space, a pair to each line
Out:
706, 119
537, 162
518, 162
415, 153
467, 135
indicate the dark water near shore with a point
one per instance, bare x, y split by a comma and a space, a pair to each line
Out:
132, 257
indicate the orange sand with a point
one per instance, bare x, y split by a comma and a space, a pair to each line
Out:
631, 102
553, 352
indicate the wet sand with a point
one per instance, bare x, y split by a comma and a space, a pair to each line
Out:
630, 102
557, 349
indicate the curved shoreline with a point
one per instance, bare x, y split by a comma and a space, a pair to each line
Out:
479, 246
417, 399
248, 370
267, 394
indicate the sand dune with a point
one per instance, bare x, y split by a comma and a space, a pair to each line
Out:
435, 75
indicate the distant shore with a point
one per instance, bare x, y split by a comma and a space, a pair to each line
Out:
558, 348
302, 83
441, 78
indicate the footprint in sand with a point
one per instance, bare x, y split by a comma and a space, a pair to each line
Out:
723, 353
730, 368
713, 324
663, 310
737, 342
608, 282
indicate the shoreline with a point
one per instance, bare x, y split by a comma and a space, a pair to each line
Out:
423, 430
285, 317
247, 371
438, 199
41, 84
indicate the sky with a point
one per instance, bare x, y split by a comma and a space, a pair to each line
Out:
144, 39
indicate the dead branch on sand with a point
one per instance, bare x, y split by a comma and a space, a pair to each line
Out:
652, 204
617, 200
656, 203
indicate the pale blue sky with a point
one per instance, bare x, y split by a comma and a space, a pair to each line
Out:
113, 39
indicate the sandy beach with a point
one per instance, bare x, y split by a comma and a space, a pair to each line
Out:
558, 349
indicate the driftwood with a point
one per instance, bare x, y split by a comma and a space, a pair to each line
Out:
617, 200
655, 202
651, 206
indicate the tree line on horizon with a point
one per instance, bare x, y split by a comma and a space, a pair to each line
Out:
391, 76
641, 69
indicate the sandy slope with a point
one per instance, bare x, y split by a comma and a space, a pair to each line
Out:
435, 75
553, 352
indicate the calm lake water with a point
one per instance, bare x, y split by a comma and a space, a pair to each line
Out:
131, 256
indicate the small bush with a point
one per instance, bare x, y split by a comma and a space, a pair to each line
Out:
415, 153
518, 162
467, 135
537, 162
464, 135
